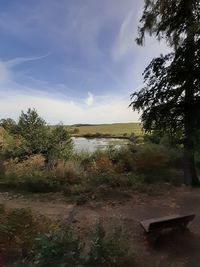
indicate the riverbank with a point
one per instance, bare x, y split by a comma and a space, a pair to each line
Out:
116, 130
99, 135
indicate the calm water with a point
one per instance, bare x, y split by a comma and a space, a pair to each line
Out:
92, 144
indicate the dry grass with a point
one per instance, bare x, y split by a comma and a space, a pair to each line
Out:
66, 171
27, 167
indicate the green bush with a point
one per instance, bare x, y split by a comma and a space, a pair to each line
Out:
57, 248
24, 242
108, 251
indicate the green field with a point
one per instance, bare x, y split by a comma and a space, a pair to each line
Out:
108, 130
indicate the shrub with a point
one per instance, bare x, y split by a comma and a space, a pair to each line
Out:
150, 158
29, 167
26, 242
124, 160
103, 165
57, 248
31, 174
66, 172
107, 251
12, 145
18, 228
157, 163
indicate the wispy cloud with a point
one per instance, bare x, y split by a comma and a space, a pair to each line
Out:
89, 100
20, 60
6, 67
125, 41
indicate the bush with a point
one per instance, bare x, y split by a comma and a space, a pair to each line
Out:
150, 158
122, 159
30, 167
28, 174
157, 163
66, 172
26, 242
57, 248
18, 228
32, 174
102, 165
107, 251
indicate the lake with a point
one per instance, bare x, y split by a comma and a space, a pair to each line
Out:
92, 144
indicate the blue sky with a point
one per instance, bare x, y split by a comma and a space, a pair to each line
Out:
75, 61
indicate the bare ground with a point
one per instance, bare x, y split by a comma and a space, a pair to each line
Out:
174, 250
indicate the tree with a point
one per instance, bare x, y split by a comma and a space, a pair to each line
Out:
34, 130
170, 101
60, 144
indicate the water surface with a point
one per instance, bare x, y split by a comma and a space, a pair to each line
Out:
92, 144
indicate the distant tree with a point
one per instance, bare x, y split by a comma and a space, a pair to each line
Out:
34, 130
170, 101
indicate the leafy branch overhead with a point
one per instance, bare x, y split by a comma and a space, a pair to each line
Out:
171, 95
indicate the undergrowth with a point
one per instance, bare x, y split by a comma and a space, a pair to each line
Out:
123, 168
26, 240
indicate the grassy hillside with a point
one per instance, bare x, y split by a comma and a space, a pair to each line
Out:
114, 130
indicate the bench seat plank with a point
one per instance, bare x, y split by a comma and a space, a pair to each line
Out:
165, 222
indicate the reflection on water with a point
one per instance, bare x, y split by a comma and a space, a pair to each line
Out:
92, 144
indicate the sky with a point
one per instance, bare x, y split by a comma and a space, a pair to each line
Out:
74, 61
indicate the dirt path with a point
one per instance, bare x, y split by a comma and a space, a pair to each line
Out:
172, 251
53, 207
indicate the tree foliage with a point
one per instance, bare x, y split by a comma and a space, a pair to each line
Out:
60, 144
33, 136
34, 130
173, 20
171, 96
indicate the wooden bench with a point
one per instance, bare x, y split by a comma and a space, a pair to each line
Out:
154, 227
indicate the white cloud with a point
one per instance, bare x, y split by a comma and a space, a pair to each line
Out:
108, 110
125, 41
89, 100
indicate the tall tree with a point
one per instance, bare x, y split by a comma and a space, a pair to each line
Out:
60, 144
170, 101
34, 130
